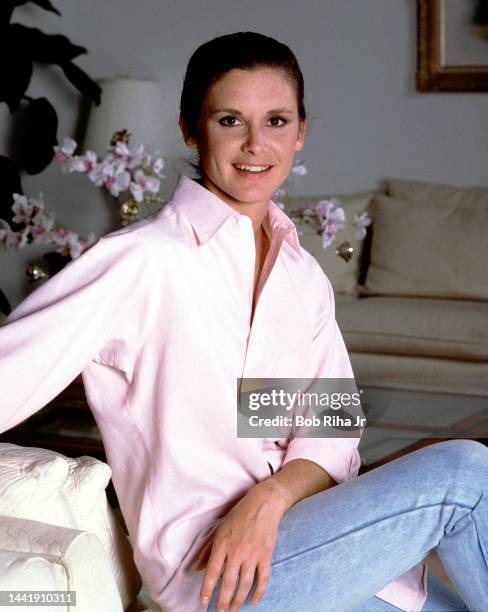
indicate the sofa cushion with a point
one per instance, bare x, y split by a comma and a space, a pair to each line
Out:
31, 482
421, 373
425, 193
429, 247
452, 329
342, 274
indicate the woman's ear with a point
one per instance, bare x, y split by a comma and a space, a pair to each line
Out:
189, 140
302, 129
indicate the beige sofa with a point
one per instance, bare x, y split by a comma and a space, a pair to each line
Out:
412, 302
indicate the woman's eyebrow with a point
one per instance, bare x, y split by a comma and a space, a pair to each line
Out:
234, 111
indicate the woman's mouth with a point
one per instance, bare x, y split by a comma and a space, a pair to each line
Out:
252, 170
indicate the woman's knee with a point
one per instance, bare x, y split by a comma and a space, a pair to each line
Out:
460, 454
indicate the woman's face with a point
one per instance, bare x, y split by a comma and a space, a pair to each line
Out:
249, 117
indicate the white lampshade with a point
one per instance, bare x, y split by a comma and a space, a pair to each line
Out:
128, 104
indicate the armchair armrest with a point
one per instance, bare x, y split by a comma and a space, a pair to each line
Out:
74, 559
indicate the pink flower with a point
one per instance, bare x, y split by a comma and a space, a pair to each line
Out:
308, 206
22, 209
323, 207
86, 163
154, 167
131, 154
143, 183
41, 228
58, 235
157, 166
361, 222
333, 219
90, 239
67, 241
17, 240
299, 169
111, 176
63, 154
74, 245
71, 243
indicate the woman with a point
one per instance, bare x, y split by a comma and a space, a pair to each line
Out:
165, 316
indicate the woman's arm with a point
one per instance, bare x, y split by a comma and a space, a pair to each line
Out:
329, 359
246, 537
296, 480
50, 337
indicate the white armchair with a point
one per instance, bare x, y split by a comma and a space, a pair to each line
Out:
58, 532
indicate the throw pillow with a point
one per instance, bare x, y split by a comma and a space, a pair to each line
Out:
429, 247
31, 482
425, 193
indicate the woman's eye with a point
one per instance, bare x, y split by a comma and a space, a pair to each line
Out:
284, 122
224, 119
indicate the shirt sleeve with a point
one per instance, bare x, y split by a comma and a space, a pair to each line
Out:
329, 358
52, 335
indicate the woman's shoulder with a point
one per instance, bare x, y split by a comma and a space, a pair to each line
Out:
156, 234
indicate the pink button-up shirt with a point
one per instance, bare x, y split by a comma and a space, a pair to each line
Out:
156, 317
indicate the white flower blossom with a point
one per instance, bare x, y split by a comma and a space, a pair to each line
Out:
155, 166
112, 176
123, 167
22, 209
63, 154
18, 239
132, 154
300, 169
143, 183
86, 163
361, 221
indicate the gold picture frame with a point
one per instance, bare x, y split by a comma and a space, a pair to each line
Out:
437, 67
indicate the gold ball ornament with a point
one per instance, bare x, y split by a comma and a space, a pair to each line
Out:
345, 250
34, 272
130, 210
120, 136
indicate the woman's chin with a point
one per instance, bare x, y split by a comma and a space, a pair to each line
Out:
253, 193
251, 196
245, 191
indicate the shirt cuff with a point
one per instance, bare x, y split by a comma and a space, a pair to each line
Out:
339, 457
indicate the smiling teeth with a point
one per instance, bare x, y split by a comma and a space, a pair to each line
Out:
253, 168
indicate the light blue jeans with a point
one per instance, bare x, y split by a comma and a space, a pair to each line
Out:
339, 547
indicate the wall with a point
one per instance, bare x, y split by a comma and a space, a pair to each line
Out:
358, 59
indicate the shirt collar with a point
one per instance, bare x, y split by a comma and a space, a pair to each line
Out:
207, 213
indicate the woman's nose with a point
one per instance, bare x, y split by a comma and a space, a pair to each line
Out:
255, 139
